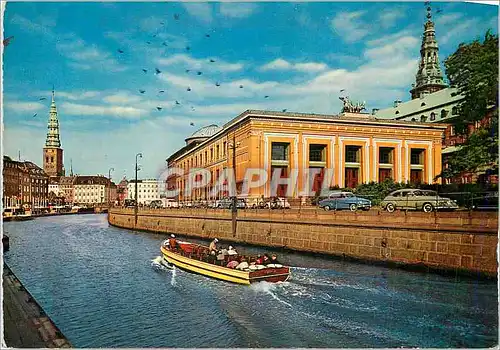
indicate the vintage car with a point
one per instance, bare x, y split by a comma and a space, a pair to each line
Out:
227, 203
487, 201
278, 203
345, 200
415, 199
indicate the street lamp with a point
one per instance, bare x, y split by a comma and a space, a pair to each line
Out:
233, 145
109, 186
136, 170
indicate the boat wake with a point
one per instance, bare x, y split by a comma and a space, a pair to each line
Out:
270, 288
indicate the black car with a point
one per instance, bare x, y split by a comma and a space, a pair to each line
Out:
485, 202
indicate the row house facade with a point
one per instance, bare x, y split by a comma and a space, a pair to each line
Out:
91, 190
355, 148
147, 191
25, 185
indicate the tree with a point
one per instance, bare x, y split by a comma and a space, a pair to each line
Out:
473, 70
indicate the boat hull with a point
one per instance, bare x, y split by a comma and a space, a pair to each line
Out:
224, 273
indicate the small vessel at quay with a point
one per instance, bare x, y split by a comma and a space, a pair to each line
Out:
195, 258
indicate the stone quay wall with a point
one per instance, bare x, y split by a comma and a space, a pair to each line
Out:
465, 242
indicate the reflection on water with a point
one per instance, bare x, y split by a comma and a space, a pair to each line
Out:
97, 284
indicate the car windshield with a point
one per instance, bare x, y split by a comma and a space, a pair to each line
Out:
347, 195
428, 193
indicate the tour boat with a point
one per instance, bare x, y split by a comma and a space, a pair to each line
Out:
190, 257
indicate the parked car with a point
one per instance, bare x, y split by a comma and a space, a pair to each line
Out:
485, 202
170, 203
345, 200
415, 199
129, 203
227, 203
256, 203
156, 204
278, 203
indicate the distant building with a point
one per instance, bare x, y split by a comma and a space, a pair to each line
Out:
121, 191
54, 185
25, 185
91, 190
147, 190
432, 101
67, 189
52, 152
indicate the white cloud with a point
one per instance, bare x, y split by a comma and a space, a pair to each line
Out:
449, 18
189, 62
202, 11
122, 97
18, 106
237, 10
349, 26
388, 18
457, 31
281, 64
393, 52
113, 111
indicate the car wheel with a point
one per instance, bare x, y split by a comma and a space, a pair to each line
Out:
427, 208
353, 207
390, 208
326, 207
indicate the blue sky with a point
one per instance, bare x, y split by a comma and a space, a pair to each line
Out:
298, 54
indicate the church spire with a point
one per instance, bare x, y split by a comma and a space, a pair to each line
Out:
429, 77
53, 125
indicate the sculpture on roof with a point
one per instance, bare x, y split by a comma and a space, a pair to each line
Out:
351, 106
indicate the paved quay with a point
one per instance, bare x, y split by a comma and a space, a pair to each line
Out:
25, 324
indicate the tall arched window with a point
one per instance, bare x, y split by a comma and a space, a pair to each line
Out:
422, 104
423, 118
454, 110
444, 113
433, 116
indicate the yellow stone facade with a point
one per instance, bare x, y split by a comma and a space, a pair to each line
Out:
350, 145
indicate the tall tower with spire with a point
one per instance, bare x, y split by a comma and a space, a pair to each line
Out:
52, 152
429, 77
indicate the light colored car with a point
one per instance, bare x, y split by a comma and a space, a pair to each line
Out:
278, 203
170, 203
344, 200
415, 199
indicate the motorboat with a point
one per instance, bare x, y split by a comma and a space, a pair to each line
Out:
195, 258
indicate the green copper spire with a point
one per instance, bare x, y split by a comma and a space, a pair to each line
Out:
429, 77
53, 126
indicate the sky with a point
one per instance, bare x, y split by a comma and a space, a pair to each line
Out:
300, 55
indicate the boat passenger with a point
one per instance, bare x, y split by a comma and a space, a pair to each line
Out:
173, 242
213, 245
224, 251
274, 259
265, 259
243, 264
232, 251
259, 260
232, 263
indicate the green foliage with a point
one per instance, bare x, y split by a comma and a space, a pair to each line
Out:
473, 70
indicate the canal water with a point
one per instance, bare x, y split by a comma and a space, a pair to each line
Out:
97, 284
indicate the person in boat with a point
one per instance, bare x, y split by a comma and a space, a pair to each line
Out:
274, 260
233, 263
243, 264
173, 242
266, 259
224, 251
213, 245
259, 260
165, 243
232, 251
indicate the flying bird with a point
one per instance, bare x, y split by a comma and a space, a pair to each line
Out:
148, 42
42, 98
34, 115
439, 11
342, 90
154, 35
176, 17
188, 89
217, 84
142, 91
199, 73
193, 109
162, 23
187, 70
188, 48
211, 60
164, 43
207, 35
266, 96
159, 108
177, 102
192, 124
157, 71
120, 51
284, 110
161, 91
241, 86
6, 41
144, 70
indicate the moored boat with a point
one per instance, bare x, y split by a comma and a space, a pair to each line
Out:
193, 257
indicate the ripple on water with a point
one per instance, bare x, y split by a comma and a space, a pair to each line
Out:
96, 282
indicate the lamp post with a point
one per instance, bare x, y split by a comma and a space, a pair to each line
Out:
233, 145
109, 186
136, 170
